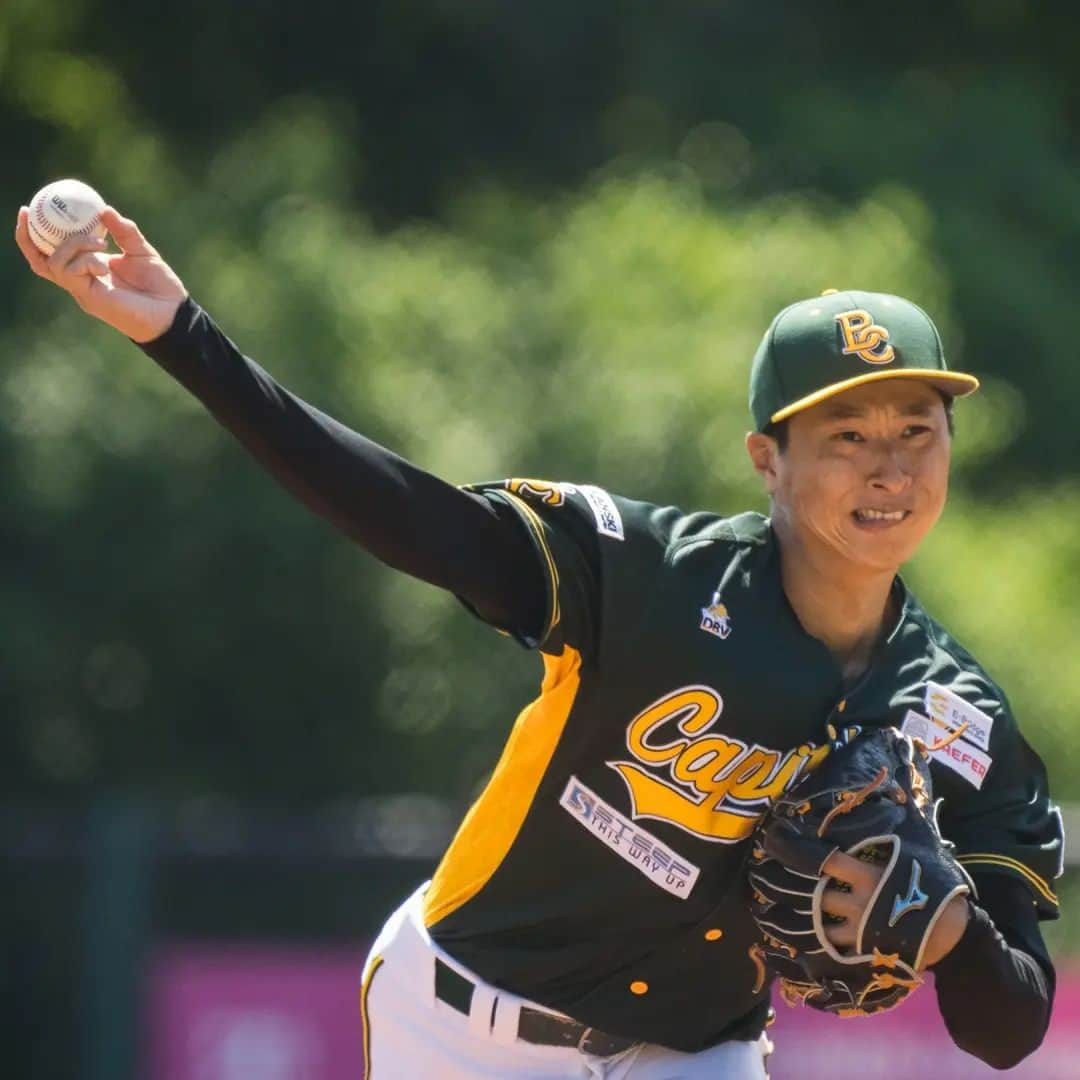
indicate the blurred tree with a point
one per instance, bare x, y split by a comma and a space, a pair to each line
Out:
502, 239
979, 118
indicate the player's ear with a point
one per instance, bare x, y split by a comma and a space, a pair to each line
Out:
763, 451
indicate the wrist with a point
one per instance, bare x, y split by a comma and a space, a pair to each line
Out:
949, 931
179, 323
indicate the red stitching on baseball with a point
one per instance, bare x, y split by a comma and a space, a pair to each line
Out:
35, 231
48, 226
43, 221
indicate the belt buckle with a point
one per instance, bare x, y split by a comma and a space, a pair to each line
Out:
583, 1039
607, 1045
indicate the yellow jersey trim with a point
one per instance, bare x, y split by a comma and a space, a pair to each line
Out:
952, 382
493, 822
532, 519
991, 859
365, 1023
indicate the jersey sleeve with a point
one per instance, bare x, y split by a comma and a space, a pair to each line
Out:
1008, 825
584, 539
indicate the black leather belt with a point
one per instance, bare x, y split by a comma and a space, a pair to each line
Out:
534, 1026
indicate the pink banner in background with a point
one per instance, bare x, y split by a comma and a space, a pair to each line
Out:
912, 1041
237, 1013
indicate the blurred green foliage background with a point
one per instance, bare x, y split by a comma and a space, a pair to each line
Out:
504, 239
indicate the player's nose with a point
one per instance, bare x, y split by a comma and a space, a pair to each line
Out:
889, 472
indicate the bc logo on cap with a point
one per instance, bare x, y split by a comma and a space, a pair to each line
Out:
864, 338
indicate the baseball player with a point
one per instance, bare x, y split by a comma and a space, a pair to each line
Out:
590, 918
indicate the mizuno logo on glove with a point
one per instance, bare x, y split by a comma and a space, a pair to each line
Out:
915, 898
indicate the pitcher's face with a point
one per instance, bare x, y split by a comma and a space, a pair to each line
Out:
865, 474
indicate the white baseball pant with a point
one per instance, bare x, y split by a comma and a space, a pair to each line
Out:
411, 1033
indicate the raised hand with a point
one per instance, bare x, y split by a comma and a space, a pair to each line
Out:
133, 290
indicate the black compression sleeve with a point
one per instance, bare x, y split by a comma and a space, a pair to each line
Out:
406, 517
996, 988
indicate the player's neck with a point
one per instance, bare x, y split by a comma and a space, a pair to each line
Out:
844, 607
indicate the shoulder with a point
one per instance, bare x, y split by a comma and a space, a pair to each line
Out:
997, 808
951, 666
952, 696
615, 519
700, 531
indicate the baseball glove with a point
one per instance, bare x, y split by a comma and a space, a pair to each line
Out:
871, 798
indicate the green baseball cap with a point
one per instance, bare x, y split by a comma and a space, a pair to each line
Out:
821, 347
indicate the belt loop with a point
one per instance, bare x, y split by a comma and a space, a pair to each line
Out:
483, 999
504, 1031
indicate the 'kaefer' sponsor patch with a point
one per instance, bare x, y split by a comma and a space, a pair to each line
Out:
960, 756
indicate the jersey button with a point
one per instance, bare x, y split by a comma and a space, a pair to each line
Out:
639, 987
713, 935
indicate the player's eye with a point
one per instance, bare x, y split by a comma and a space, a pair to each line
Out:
848, 436
912, 430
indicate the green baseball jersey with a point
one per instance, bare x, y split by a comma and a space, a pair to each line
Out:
601, 872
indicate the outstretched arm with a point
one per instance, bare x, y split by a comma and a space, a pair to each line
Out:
406, 517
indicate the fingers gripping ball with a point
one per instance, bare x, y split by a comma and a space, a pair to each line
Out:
61, 209
871, 799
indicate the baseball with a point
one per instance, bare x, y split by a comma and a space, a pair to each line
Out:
64, 208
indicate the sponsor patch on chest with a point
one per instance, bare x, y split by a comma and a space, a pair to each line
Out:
960, 756
641, 849
950, 711
715, 619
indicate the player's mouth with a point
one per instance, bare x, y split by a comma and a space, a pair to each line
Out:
867, 517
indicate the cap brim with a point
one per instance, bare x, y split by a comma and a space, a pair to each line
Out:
955, 383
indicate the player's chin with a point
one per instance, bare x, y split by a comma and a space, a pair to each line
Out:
885, 548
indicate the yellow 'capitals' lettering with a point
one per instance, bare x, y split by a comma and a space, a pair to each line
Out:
543, 490
719, 786
695, 707
864, 338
